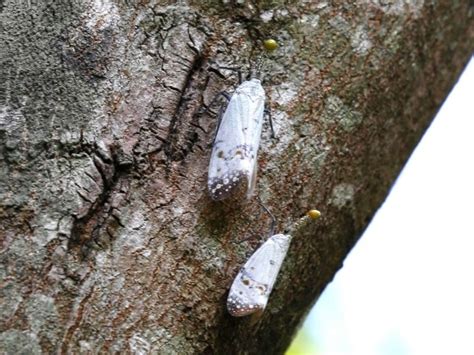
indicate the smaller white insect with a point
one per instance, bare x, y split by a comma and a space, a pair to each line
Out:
251, 288
233, 161
254, 283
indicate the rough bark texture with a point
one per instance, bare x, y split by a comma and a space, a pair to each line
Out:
110, 242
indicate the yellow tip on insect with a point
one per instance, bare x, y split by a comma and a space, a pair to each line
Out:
270, 44
313, 214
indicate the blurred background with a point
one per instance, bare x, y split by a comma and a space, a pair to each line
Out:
407, 287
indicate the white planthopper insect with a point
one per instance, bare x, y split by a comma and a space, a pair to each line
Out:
233, 164
251, 288
253, 285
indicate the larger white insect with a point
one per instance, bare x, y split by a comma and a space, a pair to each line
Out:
251, 288
233, 164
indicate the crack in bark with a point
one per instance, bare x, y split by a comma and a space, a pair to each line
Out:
173, 149
100, 210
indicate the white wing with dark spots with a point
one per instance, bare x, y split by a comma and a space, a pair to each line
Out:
251, 288
234, 155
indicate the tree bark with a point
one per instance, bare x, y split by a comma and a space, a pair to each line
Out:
110, 241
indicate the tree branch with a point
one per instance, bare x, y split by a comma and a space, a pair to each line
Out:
110, 241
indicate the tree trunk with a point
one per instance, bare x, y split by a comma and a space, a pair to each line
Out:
110, 241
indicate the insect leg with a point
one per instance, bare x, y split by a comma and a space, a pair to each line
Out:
270, 120
213, 101
272, 226
237, 69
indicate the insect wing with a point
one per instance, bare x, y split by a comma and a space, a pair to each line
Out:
251, 288
234, 155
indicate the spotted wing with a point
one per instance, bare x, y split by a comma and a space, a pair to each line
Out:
234, 155
251, 288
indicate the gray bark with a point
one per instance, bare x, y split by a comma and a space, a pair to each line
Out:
110, 242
